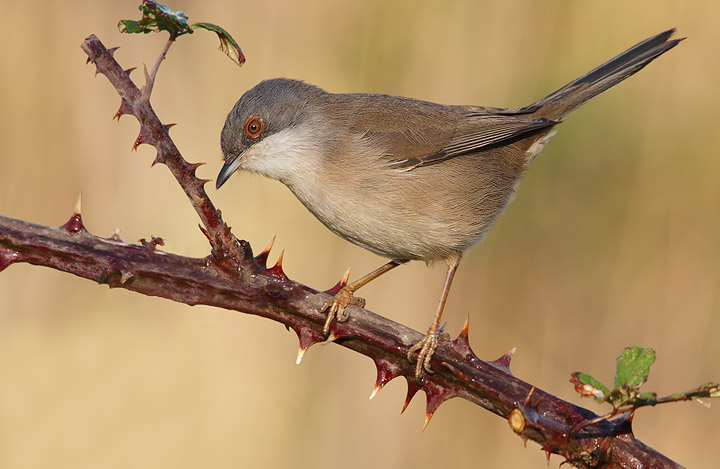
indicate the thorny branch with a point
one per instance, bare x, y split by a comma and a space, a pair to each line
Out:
231, 278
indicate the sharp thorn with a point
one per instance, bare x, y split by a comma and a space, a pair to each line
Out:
330, 339
78, 206
125, 276
75, 224
204, 232
278, 264
300, 355
466, 327
262, 257
115, 235
345, 277
528, 398
130, 70
277, 270
374, 392
411, 391
111, 51
269, 246
428, 416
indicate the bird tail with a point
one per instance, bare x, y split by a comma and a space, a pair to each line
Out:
604, 77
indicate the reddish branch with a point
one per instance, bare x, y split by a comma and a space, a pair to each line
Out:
231, 278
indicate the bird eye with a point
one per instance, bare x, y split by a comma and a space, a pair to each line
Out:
253, 127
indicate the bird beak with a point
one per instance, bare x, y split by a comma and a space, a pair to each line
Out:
228, 168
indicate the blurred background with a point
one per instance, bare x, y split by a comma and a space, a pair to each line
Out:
612, 241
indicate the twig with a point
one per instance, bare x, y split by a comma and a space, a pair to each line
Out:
150, 77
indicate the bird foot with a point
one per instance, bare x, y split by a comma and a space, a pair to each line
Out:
336, 305
426, 348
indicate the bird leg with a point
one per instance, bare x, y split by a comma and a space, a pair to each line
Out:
336, 305
426, 347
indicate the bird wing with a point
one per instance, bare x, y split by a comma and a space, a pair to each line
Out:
477, 131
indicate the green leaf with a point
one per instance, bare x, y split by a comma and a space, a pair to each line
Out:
131, 27
157, 17
587, 386
227, 43
633, 367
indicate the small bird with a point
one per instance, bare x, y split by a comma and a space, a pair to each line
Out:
404, 178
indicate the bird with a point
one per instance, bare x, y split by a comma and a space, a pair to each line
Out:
404, 178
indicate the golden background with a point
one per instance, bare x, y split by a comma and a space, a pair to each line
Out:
613, 240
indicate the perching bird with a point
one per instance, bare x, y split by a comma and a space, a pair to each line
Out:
403, 178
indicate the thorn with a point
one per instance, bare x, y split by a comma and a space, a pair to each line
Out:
167, 128
466, 327
115, 235
330, 339
528, 398
261, 258
138, 142
428, 416
7, 259
300, 355
203, 181
462, 343
386, 372
75, 224
88, 60
196, 199
97, 70
204, 231
306, 337
277, 270
568, 418
78, 205
341, 283
436, 395
111, 51
130, 70
193, 170
278, 263
125, 276
413, 388
159, 158
345, 278
504, 361
124, 109
548, 452
154, 241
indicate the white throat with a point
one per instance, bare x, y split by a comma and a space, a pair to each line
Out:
286, 155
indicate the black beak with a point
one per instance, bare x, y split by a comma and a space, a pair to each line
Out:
228, 169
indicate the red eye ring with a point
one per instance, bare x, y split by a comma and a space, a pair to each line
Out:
254, 126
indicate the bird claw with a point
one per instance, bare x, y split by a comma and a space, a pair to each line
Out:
426, 348
336, 307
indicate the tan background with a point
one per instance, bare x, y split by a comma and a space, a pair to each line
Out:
613, 240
